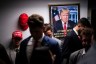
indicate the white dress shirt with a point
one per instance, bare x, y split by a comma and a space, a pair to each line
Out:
30, 46
63, 24
75, 31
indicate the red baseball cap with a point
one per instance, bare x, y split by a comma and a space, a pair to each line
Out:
17, 35
23, 19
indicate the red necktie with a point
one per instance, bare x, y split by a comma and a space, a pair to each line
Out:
65, 28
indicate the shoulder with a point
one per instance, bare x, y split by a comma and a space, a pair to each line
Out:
56, 39
25, 41
53, 44
56, 22
50, 40
75, 53
71, 33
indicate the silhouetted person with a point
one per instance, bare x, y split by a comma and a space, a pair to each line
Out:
37, 48
86, 37
90, 57
72, 41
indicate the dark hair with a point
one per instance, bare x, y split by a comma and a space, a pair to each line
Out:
87, 32
85, 22
47, 27
35, 20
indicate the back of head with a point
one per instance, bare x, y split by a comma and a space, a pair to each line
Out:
84, 22
48, 30
87, 32
35, 20
86, 38
47, 27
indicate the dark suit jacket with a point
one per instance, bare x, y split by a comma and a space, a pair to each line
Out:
76, 56
53, 45
4, 56
57, 25
71, 44
90, 57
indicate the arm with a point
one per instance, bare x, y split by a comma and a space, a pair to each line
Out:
57, 52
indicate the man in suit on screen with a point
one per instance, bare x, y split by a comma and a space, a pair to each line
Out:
64, 24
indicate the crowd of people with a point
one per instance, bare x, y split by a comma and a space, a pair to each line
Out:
41, 47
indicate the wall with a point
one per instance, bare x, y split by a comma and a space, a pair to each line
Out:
10, 11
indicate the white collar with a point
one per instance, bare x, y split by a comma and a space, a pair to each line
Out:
83, 51
75, 31
63, 23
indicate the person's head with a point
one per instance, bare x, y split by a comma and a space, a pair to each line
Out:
64, 14
86, 37
83, 23
36, 26
48, 30
16, 37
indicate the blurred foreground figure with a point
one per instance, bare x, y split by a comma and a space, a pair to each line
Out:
4, 58
90, 57
86, 37
72, 41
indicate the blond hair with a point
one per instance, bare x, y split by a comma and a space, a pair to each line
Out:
66, 10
